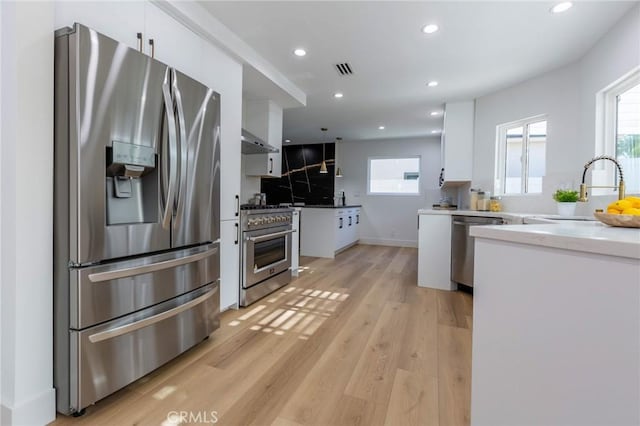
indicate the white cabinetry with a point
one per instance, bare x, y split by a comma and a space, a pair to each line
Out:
263, 118
327, 231
457, 142
174, 44
434, 251
229, 263
347, 221
121, 21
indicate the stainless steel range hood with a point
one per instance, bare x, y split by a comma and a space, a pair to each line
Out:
251, 144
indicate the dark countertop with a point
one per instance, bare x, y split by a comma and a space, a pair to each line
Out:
325, 206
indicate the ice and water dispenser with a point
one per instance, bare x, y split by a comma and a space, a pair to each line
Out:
132, 184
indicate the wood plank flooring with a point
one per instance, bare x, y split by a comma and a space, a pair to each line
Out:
352, 341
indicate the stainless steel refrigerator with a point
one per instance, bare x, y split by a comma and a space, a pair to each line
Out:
136, 215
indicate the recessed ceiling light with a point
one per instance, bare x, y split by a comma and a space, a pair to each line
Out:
338, 95
287, 140
561, 7
299, 52
434, 113
380, 127
432, 83
430, 29
435, 131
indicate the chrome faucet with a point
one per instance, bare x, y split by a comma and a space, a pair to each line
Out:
583, 186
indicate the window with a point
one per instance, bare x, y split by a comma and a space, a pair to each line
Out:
619, 135
394, 176
521, 151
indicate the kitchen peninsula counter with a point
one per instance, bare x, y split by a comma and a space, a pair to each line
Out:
556, 315
327, 230
587, 236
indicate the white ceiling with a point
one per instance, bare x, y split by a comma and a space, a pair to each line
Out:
480, 47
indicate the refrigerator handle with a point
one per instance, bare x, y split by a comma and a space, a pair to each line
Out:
152, 267
173, 161
182, 147
129, 328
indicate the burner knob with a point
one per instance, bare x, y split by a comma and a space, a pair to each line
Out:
259, 221
250, 222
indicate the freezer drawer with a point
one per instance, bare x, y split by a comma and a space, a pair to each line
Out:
105, 292
108, 357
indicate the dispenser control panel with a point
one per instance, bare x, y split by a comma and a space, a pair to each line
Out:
128, 153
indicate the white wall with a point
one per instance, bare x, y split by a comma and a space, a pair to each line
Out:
26, 218
388, 219
567, 96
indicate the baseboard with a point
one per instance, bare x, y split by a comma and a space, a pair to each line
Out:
385, 242
39, 410
232, 306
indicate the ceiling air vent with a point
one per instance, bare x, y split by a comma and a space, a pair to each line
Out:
344, 69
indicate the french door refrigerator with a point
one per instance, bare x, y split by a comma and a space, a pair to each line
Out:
136, 215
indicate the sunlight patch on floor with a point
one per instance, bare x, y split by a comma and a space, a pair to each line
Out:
164, 392
302, 312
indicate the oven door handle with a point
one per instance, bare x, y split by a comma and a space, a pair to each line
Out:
269, 236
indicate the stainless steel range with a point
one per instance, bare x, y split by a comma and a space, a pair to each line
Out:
265, 257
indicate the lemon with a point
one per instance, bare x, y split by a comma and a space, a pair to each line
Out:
632, 211
635, 201
620, 205
613, 211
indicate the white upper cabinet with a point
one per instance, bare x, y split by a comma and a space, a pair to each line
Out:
263, 118
121, 21
457, 142
174, 44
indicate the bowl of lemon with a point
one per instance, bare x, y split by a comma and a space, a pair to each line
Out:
624, 213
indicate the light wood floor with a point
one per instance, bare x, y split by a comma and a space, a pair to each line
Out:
352, 341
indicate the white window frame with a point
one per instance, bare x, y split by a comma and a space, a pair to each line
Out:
501, 156
398, 157
603, 173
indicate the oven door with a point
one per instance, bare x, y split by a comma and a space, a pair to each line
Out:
267, 252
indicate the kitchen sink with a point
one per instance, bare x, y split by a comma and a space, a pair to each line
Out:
558, 218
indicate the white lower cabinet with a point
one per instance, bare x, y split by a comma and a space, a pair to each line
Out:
327, 231
229, 263
434, 252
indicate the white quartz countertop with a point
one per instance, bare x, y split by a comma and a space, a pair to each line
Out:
591, 237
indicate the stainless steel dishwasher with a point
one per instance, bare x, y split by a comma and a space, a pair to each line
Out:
462, 246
